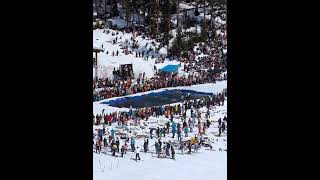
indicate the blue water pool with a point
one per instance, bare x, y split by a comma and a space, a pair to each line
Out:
155, 98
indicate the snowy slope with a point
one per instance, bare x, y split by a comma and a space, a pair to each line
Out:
200, 165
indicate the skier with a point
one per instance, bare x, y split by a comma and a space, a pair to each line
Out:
117, 52
172, 152
157, 147
137, 151
132, 144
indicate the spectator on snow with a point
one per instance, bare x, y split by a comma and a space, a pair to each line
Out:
137, 151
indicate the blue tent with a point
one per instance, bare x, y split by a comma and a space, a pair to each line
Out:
170, 68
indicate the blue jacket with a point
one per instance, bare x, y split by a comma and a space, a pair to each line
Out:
133, 141
186, 130
112, 132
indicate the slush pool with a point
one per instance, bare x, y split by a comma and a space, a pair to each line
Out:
155, 98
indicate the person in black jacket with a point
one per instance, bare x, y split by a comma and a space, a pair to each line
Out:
167, 149
145, 146
118, 144
158, 132
223, 127
189, 147
151, 131
172, 152
160, 143
112, 143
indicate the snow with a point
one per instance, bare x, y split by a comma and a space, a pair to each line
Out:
200, 165
107, 62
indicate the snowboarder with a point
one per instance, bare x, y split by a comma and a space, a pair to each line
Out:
137, 151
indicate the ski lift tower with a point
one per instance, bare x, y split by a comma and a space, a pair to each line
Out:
95, 60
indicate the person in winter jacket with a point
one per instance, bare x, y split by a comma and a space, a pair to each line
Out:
208, 123
160, 143
151, 131
184, 124
105, 142
220, 130
179, 135
223, 127
158, 132
113, 133
133, 142
118, 144
97, 147
157, 147
164, 132
186, 131
189, 147
114, 149
174, 129
172, 152
137, 151
167, 149
181, 147
145, 146
219, 121
122, 150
